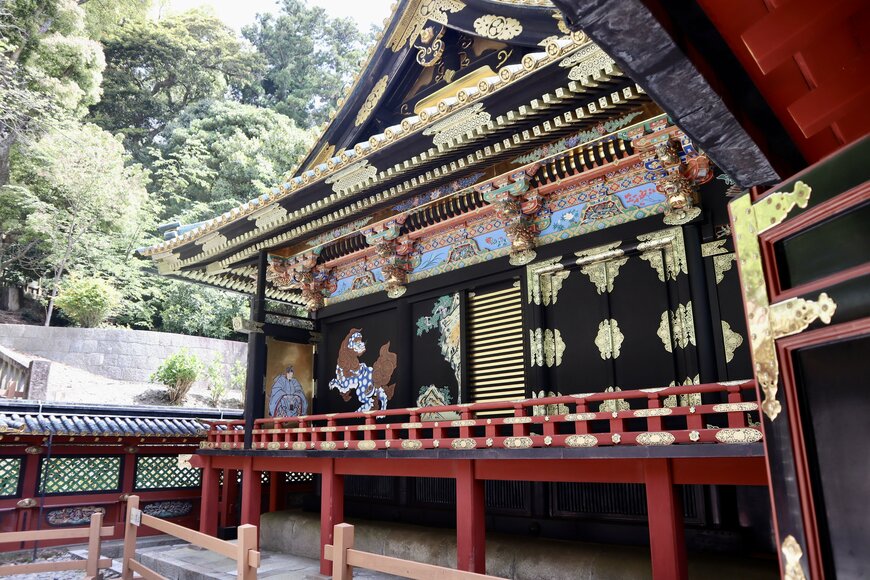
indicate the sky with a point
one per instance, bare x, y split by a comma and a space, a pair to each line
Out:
238, 13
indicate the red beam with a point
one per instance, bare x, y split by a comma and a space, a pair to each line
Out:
720, 471
208, 509
580, 470
251, 490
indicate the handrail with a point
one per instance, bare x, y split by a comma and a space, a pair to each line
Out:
22, 377
244, 551
656, 416
344, 558
95, 532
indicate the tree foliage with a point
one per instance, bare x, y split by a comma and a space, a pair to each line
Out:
189, 309
87, 204
216, 155
311, 58
86, 301
178, 372
156, 69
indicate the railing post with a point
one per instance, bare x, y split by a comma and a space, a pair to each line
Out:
341, 543
92, 569
665, 512
129, 538
247, 541
331, 509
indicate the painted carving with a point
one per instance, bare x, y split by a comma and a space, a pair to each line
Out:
168, 509
73, 516
396, 254
370, 384
518, 209
432, 396
304, 273
445, 317
497, 27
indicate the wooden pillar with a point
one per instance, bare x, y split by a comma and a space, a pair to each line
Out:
251, 492
255, 398
470, 519
331, 509
275, 480
208, 507
665, 512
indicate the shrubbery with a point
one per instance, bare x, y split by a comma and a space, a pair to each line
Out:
178, 373
87, 302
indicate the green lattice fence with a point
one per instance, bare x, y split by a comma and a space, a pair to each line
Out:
73, 474
10, 470
163, 472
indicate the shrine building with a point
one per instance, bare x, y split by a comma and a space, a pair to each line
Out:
589, 271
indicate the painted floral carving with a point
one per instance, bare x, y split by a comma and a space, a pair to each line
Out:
445, 317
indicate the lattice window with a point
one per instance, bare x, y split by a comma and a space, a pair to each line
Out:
298, 477
163, 472
71, 474
10, 470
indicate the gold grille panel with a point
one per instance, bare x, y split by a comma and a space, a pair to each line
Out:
495, 346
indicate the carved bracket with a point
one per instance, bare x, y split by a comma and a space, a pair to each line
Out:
302, 273
518, 209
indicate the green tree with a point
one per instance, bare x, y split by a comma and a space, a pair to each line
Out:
216, 155
48, 67
103, 18
87, 204
156, 69
311, 58
88, 302
189, 309
178, 372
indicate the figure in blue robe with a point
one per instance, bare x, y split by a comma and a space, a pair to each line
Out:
288, 398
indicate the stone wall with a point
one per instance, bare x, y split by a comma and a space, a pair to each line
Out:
128, 355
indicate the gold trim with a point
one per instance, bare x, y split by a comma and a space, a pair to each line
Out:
580, 417
766, 323
497, 27
581, 441
714, 248
609, 338
367, 445
463, 444
677, 327
463, 423
540, 291
653, 412
728, 407
665, 251
412, 444
470, 80
794, 315
327, 445
273, 446
412, 425
773, 209
299, 446
517, 420
652, 438
792, 553
722, 264
613, 405
414, 19
517, 442
732, 340
738, 436
602, 265
371, 101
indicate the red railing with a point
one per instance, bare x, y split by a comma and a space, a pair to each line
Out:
660, 416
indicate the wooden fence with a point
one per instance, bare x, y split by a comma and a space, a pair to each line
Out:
244, 552
344, 558
91, 566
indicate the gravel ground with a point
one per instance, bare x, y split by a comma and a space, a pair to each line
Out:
51, 555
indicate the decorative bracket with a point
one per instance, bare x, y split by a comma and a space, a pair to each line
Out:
518, 209
304, 273
768, 322
395, 251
